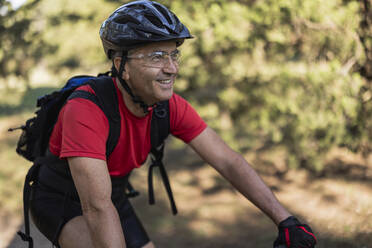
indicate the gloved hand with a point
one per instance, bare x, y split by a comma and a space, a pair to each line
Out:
293, 234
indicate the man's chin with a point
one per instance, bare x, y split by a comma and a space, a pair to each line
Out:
165, 95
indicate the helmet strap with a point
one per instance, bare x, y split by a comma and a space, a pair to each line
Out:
135, 99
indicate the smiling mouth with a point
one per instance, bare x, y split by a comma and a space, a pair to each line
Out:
165, 82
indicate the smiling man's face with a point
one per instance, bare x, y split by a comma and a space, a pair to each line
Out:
151, 83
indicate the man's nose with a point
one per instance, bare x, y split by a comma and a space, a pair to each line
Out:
171, 66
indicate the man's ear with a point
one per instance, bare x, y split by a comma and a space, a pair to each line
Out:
117, 61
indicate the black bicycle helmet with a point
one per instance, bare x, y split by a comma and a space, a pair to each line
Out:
138, 23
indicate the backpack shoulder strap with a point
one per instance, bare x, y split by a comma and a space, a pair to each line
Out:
105, 98
160, 129
160, 126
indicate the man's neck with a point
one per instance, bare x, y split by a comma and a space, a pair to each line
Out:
133, 107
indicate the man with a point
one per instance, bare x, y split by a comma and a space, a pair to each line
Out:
142, 39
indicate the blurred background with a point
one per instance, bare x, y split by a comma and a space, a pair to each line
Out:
288, 83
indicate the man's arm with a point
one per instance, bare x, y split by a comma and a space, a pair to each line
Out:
239, 173
93, 184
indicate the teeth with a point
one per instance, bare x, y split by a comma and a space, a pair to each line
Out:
164, 81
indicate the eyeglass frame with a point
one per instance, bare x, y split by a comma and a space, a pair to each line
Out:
162, 61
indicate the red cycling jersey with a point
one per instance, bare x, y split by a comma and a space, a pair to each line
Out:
82, 130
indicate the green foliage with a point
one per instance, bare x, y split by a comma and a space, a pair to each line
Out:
20, 45
73, 26
276, 73
361, 127
282, 70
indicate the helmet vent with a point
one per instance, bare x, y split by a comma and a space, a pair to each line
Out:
154, 21
137, 6
163, 12
126, 19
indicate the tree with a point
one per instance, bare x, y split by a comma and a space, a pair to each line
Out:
21, 46
361, 127
279, 72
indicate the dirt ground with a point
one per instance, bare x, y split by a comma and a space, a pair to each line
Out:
336, 205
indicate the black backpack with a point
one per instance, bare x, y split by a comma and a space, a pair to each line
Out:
34, 140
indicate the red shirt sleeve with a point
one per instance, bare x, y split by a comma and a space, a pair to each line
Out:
185, 122
81, 130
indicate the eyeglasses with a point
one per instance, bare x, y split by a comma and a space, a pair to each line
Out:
159, 58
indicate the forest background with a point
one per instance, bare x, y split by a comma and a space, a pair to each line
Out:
288, 83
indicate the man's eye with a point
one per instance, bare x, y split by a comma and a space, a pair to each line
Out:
156, 57
175, 56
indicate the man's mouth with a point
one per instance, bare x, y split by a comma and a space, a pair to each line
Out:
165, 81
